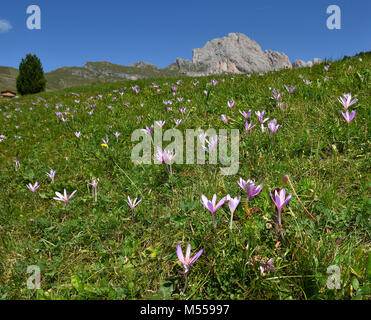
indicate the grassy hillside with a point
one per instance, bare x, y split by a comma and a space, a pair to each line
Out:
8, 77
104, 250
92, 72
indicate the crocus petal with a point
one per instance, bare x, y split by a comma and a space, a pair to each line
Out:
197, 255
188, 253
179, 252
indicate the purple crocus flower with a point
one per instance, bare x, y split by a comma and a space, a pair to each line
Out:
17, 164
349, 116
326, 68
276, 95
266, 266
136, 89
133, 204
232, 204
160, 123
290, 90
51, 175
280, 201
347, 101
78, 134
163, 155
187, 261
212, 143
94, 183
117, 134
245, 114
178, 122
260, 115
252, 190
231, 103
212, 206
242, 183
273, 126
34, 187
249, 126
149, 130
65, 198
224, 118
182, 110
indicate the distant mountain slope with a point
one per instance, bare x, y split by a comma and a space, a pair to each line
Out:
8, 77
92, 72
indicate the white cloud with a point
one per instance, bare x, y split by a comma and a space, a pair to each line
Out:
5, 26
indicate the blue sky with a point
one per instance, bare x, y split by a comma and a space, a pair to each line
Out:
123, 32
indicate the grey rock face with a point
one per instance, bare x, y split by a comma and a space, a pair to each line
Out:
233, 54
300, 64
317, 61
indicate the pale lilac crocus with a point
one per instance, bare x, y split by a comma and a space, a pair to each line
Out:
78, 134
187, 261
232, 204
291, 89
326, 68
266, 266
65, 198
117, 134
260, 115
276, 95
17, 164
349, 116
245, 114
280, 201
164, 157
242, 183
249, 126
182, 110
211, 144
212, 206
273, 126
133, 203
224, 118
51, 175
347, 101
253, 190
178, 122
94, 183
231, 103
149, 130
160, 123
34, 187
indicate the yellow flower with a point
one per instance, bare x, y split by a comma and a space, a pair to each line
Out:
104, 145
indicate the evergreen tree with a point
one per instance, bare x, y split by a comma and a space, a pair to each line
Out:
31, 77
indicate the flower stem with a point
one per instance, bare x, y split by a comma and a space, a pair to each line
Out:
186, 283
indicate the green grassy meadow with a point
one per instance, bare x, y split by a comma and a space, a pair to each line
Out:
104, 250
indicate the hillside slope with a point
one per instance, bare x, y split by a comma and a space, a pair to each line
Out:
91, 241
